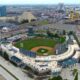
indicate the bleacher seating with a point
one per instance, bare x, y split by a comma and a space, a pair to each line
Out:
16, 60
27, 53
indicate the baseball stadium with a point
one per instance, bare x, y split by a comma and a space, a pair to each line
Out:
42, 54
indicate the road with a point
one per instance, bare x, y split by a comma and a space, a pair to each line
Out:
14, 70
5, 74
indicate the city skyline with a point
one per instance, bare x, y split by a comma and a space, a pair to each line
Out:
11, 2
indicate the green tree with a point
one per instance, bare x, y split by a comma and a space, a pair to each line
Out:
56, 78
74, 71
64, 32
70, 33
56, 35
76, 77
6, 56
49, 34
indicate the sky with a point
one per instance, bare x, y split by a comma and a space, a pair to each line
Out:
39, 1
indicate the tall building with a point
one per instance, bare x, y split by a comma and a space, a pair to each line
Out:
61, 7
3, 11
30, 31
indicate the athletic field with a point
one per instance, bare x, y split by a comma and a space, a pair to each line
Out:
29, 44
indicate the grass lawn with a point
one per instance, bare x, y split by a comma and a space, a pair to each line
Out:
39, 23
31, 43
61, 40
56, 78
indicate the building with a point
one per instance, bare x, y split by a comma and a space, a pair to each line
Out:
5, 19
26, 16
30, 31
5, 29
3, 11
61, 8
42, 64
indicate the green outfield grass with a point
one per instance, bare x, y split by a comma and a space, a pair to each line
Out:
28, 44
39, 23
31, 43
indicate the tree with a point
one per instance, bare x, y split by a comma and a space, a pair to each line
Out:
56, 78
56, 35
70, 33
64, 32
76, 77
24, 21
74, 71
6, 56
50, 34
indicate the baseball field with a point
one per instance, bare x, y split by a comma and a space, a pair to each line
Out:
40, 45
